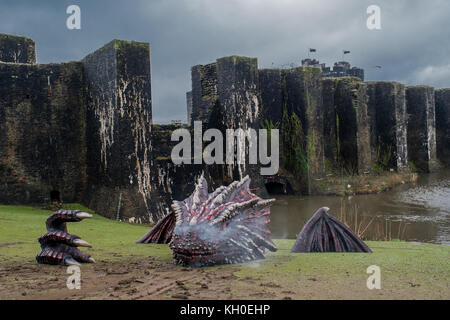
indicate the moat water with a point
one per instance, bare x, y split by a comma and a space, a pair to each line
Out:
413, 212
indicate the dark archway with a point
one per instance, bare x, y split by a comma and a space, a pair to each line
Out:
276, 188
55, 196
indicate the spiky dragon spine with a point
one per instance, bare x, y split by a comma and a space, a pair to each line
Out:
229, 225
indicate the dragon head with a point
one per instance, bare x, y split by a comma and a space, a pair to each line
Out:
226, 226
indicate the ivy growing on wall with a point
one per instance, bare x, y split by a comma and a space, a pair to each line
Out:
294, 144
269, 125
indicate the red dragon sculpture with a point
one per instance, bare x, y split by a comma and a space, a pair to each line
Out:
229, 225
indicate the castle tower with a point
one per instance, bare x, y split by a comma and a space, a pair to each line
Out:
443, 125
42, 127
420, 104
119, 116
388, 120
17, 49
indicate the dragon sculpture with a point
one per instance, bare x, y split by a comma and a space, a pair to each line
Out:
325, 233
229, 225
60, 247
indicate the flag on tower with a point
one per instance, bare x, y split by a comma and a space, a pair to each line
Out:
346, 51
312, 50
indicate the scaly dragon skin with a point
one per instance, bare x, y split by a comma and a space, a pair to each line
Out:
229, 225
58, 246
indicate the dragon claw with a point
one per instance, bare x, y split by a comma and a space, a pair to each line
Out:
71, 262
83, 215
58, 246
81, 243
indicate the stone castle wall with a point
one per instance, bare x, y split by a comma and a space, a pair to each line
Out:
16, 49
442, 97
352, 120
42, 132
420, 106
119, 124
82, 131
204, 91
387, 111
349, 125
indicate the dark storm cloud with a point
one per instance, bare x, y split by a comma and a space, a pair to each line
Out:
412, 47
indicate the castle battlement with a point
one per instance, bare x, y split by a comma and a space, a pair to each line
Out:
340, 69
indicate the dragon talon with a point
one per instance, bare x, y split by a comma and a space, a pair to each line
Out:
83, 215
60, 247
81, 243
71, 262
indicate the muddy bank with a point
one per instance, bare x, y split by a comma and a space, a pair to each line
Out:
136, 279
409, 271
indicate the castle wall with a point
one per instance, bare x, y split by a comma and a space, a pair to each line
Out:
118, 125
204, 91
189, 107
329, 125
352, 123
271, 95
442, 97
170, 182
420, 104
16, 49
387, 115
237, 106
372, 115
42, 133
303, 96
297, 91
82, 131
237, 88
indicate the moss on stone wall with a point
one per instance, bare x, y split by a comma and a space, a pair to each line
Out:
17, 49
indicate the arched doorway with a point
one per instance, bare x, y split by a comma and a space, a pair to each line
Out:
55, 196
276, 188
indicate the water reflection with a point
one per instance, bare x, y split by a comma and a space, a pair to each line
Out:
413, 212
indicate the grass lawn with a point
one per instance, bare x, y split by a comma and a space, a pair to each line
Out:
408, 270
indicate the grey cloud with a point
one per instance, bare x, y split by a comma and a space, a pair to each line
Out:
412, 47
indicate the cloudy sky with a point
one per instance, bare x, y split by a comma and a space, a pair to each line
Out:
413, 45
